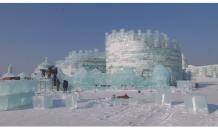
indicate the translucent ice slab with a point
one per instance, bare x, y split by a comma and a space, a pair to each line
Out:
18, 86
42, 101
163, 98
15, 100
71, 101
196, 103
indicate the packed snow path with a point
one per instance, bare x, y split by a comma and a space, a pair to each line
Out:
147, 114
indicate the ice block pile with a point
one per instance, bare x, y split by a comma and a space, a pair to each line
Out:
196, 103
15, 93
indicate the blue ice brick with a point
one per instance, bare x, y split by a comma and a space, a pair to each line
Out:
26, 98
118, 102
9, 101
5, 88
25, 86
15, 87
42, 101
163, 98
196, 103
34, 86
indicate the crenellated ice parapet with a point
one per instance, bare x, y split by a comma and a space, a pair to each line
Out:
88, 59
155, 39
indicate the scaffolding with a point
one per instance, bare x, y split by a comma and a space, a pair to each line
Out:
46, 83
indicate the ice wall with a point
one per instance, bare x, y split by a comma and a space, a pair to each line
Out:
15, 93
122, 78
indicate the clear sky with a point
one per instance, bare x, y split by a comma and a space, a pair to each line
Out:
30, 32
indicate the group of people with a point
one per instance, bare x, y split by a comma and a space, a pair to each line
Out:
54, 71
49, 71
65, 85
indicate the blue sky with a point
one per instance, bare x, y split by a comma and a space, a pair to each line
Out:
30, 32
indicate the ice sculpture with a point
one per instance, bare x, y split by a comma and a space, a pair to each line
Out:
161, 76
163, 98
196, 103
42, 101
184, 85
15, 93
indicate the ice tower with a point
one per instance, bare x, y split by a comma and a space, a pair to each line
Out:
142, 51
9, 74
45, 65
10, 69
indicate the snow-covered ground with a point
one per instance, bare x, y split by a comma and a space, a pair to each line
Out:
147, 114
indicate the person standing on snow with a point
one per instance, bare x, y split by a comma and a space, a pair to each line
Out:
65, 85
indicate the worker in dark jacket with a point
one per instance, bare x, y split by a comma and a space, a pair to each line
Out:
65, 85
43, 72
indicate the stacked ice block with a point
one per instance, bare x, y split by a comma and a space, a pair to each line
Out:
196, 103
42, 101
163, 98
184, 85
15, 93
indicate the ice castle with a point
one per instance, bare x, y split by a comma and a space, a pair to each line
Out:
131, 60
